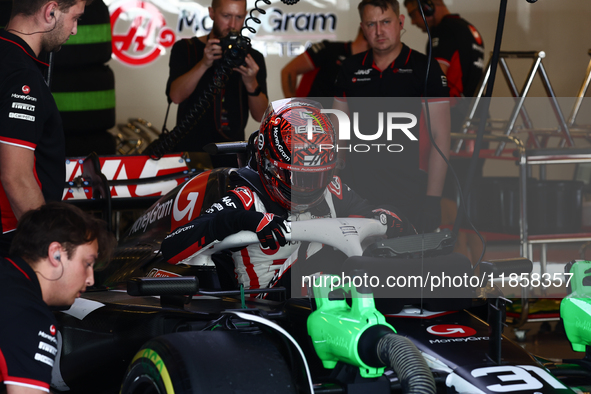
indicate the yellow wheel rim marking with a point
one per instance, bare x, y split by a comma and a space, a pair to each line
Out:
154, 357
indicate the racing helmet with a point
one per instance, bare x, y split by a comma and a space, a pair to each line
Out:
295, 153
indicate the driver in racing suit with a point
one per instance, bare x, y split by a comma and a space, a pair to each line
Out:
293, 180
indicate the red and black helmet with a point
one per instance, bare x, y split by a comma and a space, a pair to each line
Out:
296, 152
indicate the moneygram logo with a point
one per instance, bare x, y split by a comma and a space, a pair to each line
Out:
388, 123
139, 33
451, 330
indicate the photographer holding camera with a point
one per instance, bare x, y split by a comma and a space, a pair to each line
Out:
192, 65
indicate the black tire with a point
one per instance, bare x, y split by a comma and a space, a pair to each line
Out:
92, 44
208, 363
82, 144
85, 98
5, 9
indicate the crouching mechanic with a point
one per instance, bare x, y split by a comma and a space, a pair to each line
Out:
50, 264
290, 177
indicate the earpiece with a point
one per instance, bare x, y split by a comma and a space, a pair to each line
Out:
58, 257
52, 14
428, 7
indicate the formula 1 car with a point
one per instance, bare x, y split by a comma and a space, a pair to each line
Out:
152, 327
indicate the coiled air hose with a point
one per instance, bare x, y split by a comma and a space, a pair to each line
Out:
400, 354
379, 346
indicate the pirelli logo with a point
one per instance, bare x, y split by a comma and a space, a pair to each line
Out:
15, 115
25, 107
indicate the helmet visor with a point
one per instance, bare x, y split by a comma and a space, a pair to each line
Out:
307, 183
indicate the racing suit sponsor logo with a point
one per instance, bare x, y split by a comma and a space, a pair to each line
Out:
335, 187
228, 201
21, 97
52, 329
44, 359
25, 107
362, 72
47, 336
16, 115
360, 79
46, 347
158, 212
245, 195
403, 70
178, 231
215, 206
26, 89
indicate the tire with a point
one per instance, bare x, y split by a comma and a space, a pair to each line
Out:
5, 9
208, 363
92, 44
85, 98
82, 144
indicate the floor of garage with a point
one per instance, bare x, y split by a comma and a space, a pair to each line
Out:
546, 339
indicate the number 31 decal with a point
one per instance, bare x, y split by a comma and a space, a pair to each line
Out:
525, 377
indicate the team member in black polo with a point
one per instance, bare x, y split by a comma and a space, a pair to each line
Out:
32, 153
319, 65
457, 46
50, 264
411, 180
192, 65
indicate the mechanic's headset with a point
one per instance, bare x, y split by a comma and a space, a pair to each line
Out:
428, 7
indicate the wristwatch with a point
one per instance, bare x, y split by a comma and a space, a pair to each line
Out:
256, 92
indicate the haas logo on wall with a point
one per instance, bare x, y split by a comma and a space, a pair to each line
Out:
139, 32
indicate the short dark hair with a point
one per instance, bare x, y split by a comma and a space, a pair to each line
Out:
216, 3
383, 4
30, 7
59, 222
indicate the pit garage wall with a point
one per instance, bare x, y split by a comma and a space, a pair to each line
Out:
559, 27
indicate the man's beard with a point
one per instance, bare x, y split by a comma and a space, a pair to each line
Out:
53, 40
217, 32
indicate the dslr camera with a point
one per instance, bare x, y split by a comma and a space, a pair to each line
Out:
234, 49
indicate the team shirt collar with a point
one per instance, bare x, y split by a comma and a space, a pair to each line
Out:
26, 270
400, 61
19, 42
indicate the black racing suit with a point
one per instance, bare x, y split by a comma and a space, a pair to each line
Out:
254, 266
